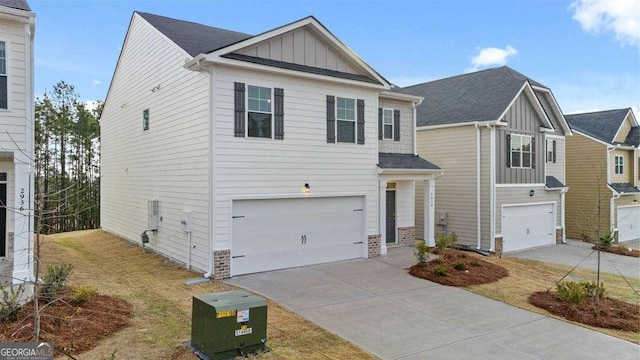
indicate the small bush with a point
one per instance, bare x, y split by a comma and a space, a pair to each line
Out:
476, 263
575, 293
460, 266
54, 280
590, 289
421, 253
446, 241
10, 303
84, 293
440, 270
605, 241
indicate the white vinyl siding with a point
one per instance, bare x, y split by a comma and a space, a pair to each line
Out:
405, 145
266, 168
557, 169
405, 213
168, 163
506, 196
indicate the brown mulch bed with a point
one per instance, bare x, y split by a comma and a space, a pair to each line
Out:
462, 268
74, 327
611, 313
621, 250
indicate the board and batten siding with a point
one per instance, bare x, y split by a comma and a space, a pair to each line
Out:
586, 177
627, 170
300, 46
557, 169
405, 144
545, 101
255, 167
521, 119
520, 195
168, 162
454, 150
13, 121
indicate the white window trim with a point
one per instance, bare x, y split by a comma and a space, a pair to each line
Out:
521, 152
549, 150
616, 165
355, 120
247, 111
6, 59
383, 124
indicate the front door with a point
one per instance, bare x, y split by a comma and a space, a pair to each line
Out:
3, 220
391, 216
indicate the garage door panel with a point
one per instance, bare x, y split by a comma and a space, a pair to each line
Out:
628, 223
528, 226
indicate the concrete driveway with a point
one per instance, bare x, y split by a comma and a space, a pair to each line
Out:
377, 305
578, 252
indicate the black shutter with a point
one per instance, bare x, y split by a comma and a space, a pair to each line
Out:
239, 120
331, 119
380, 126
533, 152
554, 151
508, 150
278, 111
360, 117
396, 125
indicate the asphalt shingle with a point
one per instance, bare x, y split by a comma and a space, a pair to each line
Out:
404, 161
624, 188
16, 4
553, 183
602, 125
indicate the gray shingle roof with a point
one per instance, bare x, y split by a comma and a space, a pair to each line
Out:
624, 188
478, 96
404, 161
553, 183
602, 125
16, 4
192, 37
633, 137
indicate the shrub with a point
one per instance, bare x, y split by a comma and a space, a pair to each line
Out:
446, 241
476, 263
421, 253
605, 241
10, 303
460, 266
575, 293
590, 289
84, 293
440, 270
54, 280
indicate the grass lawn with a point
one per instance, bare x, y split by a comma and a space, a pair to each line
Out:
527, 276
162, 303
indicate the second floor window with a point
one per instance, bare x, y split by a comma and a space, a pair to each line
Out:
551, 151
346, 120
259, 112
387, 123
4, 84
520, 151
619, 165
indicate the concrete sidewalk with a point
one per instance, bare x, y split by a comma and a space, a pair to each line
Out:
574, 252
377, 305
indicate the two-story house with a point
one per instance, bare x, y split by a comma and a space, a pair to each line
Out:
17, 29
602, 172
500, 138
238, 153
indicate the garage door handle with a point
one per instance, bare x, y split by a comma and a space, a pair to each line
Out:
358, 242
357, 209
238, 217
237, 256
303, 239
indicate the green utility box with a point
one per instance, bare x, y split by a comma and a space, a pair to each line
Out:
228, 324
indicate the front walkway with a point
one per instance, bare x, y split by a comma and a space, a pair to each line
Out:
574, 252
377, 305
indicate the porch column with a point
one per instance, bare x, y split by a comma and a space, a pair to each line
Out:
382, 215
22, 212
429, 212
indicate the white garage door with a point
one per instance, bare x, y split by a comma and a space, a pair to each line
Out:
628, 222
527, 226
282, 233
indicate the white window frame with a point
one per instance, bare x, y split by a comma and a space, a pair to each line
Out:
384, 123
549, 150
520, 152
6, 70
618, 166
355, 120
270, 112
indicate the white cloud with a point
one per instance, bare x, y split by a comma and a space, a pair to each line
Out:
491, 56
622, 17
95, 82
91, 105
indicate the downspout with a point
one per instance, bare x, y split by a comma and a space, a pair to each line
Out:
563, 192
414, 108
478, 188
211, 153
492, 192
30, 35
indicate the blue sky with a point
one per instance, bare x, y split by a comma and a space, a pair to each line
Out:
586, 51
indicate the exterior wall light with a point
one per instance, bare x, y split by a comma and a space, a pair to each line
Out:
307, 188
532, 192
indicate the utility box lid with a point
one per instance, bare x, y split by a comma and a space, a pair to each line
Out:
231, 300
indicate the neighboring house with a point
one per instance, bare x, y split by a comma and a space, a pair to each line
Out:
500, 138
17, 29
245, 153
602, 172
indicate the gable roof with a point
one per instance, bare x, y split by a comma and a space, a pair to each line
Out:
478, 96
602, 125
633, 137
16, 4
192, 37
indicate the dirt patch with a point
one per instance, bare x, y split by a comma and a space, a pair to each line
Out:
621, 250
458, 268
71, 326
610, 314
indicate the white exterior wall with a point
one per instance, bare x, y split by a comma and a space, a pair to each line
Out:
254, 168
168, 162
405, 144
513, 195
557, 169
405, 203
